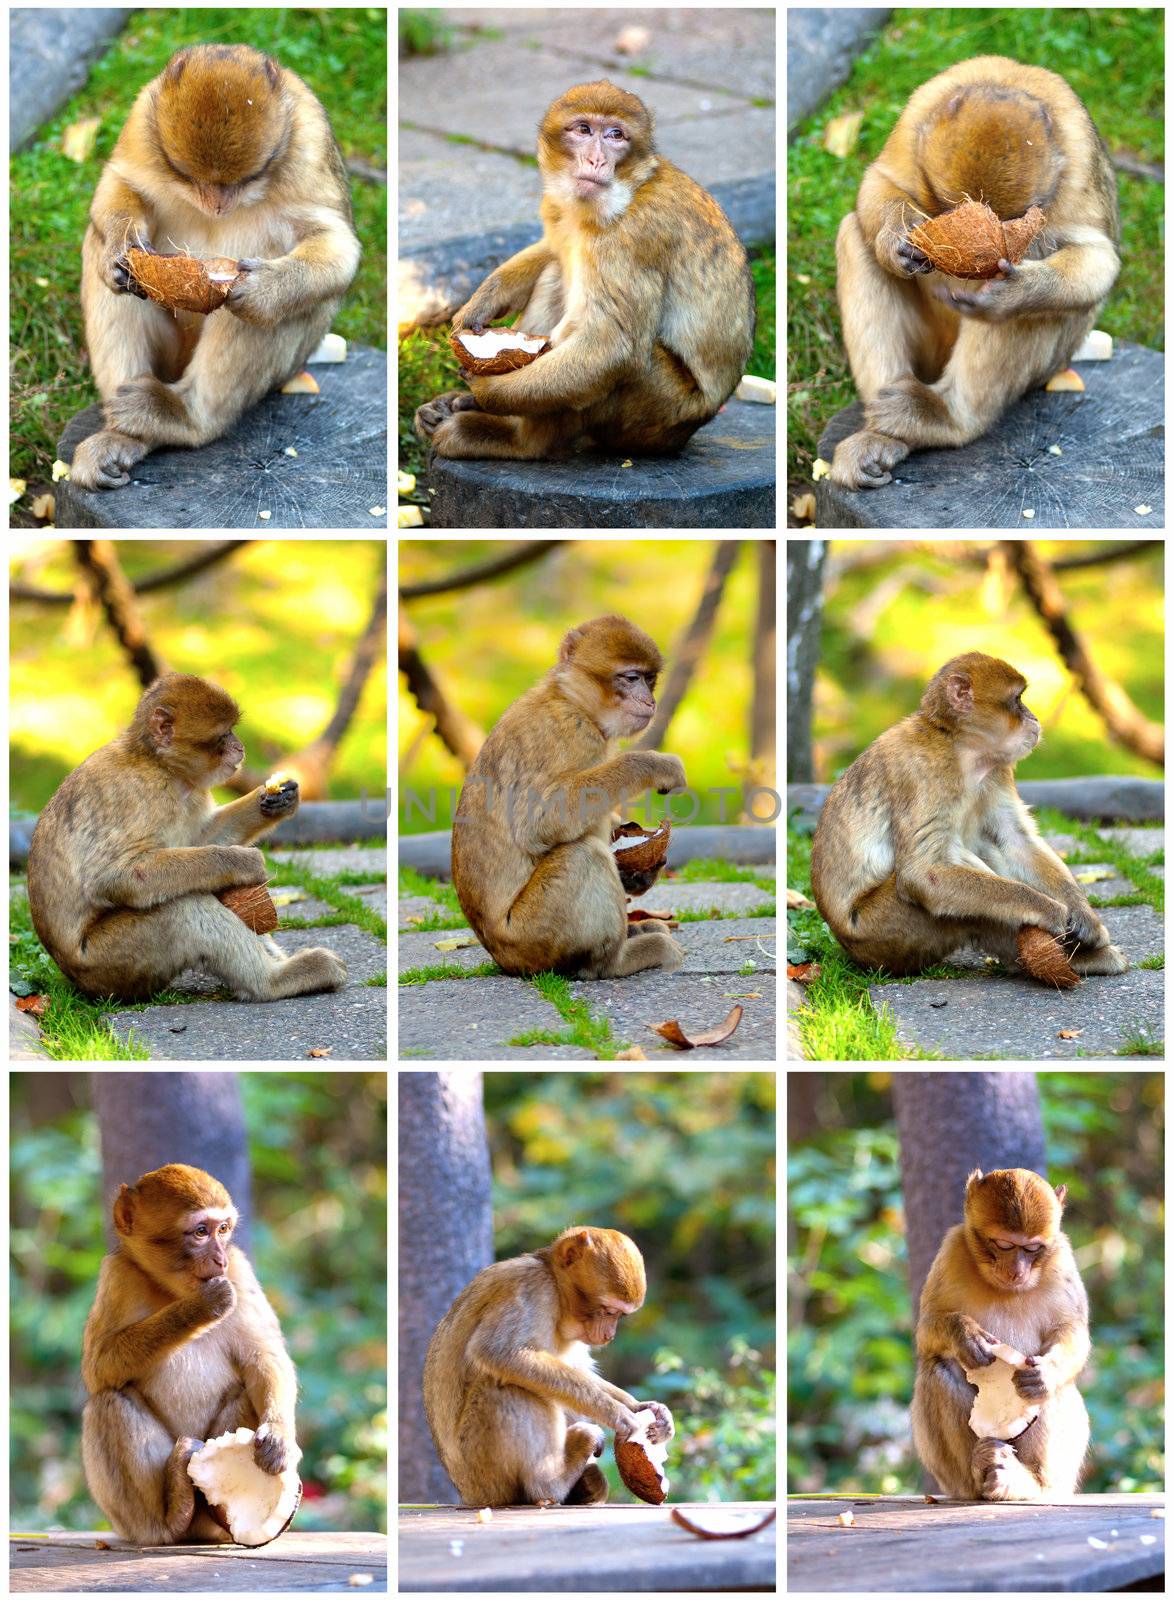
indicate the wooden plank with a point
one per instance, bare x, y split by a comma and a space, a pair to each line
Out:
900, 1544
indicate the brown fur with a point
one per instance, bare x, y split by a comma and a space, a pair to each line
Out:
1027, 1294
530, 857
510, 1389
181, 1345
127, 858
641, 284
264, 184
937, 360
924, 845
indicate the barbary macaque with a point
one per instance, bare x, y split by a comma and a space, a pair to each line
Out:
128, 857
938, 359
640, 284
224, 154
531, 861
1004, 1275
181, 1345
924, 845
510, 1389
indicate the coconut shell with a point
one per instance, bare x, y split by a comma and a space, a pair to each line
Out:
253, 905
970, 241
183, 283
640, 863
508, 358
1043, 958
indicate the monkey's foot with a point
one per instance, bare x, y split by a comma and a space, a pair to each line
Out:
430, 415
863, 460
1108, 962
103, 460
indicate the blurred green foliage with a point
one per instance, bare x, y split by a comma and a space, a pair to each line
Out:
685, 1163
488, 644
850, 1350
318, 1148
275, 624
891, 620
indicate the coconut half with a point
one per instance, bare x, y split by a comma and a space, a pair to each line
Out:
257, 1505
497, 350
1000, 1411
641, 1462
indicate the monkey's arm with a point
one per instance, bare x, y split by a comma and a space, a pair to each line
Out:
572, 805
266, 1370
1076, 277
155, 876
130, 1352
506, 289
241, 821
1013, 848
544, 1374
118, 221
319, 268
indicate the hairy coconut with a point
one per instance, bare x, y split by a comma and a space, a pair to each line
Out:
253, 904
183, 283
641, 1462
496, 350
970, 241
1043, 958
257, 1505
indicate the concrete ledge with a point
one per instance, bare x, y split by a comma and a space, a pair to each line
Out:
724, 478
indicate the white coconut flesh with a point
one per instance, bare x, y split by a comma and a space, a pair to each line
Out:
257, 1504
484, 346
999, 1410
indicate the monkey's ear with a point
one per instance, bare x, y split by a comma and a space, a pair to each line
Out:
124, 1209
973, 1177
1061, 1192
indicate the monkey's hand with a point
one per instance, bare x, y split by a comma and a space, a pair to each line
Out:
1033, 1382
1018, 289
267, 292
245, 865
669, 772
1084, 926
281, 802
663, 1427
115, 268
909, 260
972, 1344
272, 1451
216, 1297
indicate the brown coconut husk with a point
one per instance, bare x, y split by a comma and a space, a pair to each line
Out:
1043, 958
183, 283
508, 358
253, 905
970, 241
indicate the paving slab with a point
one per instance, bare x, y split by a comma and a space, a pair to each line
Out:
474, 1019
351, 1024
636, 1006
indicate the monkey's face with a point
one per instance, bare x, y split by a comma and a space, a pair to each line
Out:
632, 702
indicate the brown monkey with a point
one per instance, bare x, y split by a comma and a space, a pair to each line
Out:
1006, 1274
128, 856
181, 1345
510, 1389
224, 154
641, 285
938, 359
924, 844
530, 857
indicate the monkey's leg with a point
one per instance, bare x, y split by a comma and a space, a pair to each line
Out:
941, 1432
472, 435
991, 365
565, 1473
1053, 1449
132, 955
998, 1473
889, 932
234, 365
892, 329
137, 1473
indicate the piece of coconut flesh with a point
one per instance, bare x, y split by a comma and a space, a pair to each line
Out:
257, 1504
484, 346
999, 1410
657, 1453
